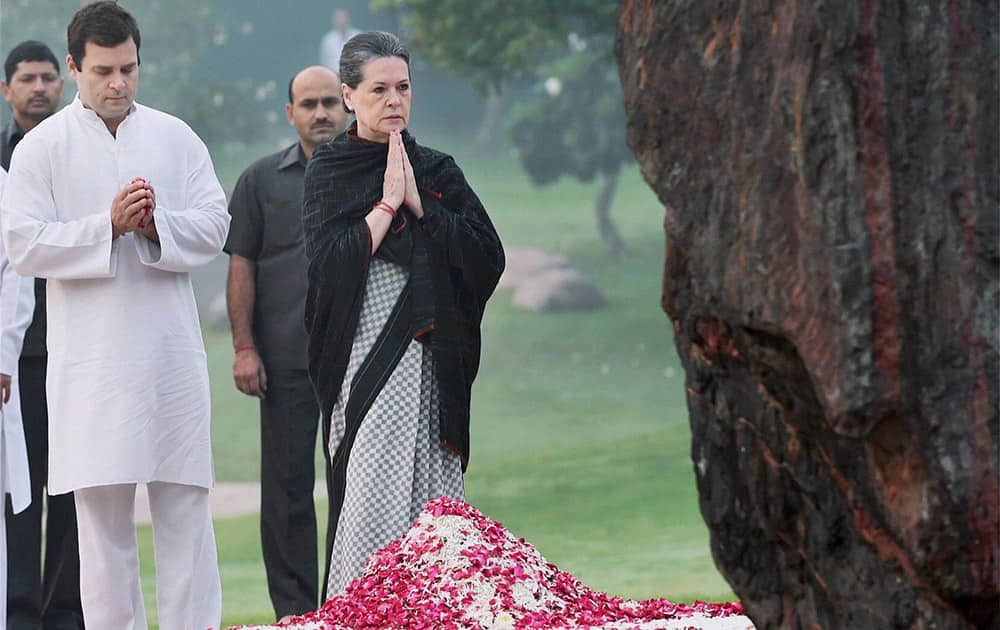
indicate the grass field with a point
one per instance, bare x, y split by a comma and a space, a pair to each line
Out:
580, 438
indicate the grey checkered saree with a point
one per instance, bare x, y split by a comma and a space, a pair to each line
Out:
394, 339
397, 462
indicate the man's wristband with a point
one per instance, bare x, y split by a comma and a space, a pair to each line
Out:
239, 349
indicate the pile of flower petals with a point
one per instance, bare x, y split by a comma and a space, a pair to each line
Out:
456, 568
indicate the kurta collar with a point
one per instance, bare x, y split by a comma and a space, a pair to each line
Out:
293, 155
90, 116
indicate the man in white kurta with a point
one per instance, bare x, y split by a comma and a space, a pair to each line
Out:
17, 305
333, 42
127, 382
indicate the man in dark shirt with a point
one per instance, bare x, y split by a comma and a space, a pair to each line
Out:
35, 599
266, 295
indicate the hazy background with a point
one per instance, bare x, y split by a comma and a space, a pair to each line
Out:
224, 65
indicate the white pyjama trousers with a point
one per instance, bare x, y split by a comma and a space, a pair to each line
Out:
188, 587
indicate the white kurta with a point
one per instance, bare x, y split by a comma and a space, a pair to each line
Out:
17, 302
127, 381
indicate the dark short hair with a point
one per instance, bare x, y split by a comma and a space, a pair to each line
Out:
105, 24
29, 50
364, 47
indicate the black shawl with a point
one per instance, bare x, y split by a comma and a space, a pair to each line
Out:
455, 260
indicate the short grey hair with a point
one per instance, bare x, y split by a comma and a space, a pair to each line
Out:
364, 47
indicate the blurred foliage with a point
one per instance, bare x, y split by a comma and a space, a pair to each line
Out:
176, 35
574, 121
494, 41
576, 124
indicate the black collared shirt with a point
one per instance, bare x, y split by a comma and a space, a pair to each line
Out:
9, 137
34, 337
266, 227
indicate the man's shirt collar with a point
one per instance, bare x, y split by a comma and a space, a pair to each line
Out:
13, 133
293, 155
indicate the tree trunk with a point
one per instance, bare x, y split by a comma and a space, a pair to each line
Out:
831, 276
491, 116
605, 224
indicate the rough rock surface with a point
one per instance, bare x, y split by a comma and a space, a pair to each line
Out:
524, 263
830, 174
545, 283
558, 290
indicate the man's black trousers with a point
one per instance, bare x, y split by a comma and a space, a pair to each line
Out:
41, 596
289, 418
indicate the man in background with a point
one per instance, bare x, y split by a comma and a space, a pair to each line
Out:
266, 295
37, 598
333, 42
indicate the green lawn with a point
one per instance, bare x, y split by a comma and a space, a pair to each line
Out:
580, 435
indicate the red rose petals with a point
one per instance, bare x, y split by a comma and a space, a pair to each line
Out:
456, 568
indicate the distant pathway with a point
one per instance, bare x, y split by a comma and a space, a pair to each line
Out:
229, 500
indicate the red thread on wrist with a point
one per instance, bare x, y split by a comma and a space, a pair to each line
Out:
384, 207
240, 349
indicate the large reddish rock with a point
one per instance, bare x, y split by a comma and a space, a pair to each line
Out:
830, 174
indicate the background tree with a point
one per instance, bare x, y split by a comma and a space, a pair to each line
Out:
573, 121
176, 36
831, 280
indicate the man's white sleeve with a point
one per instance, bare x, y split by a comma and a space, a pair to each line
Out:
193, 235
